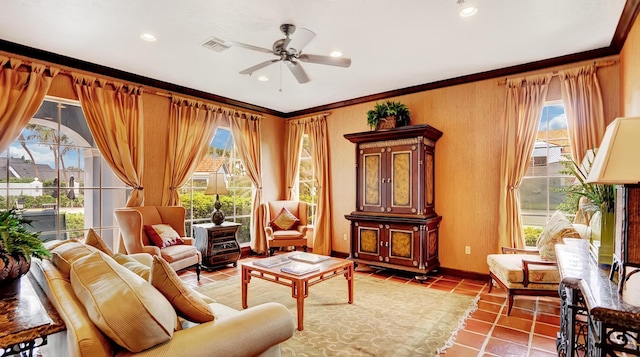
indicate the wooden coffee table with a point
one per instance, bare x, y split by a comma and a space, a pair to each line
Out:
299, 284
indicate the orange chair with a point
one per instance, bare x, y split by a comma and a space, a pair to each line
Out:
296, 235
132, 221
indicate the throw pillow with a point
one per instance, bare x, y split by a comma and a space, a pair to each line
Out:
135, 266
121, 304
64, 255
187, 303
285, 220
94, 240
163, 235
557, 228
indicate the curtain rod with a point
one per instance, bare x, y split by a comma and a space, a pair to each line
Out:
556, 73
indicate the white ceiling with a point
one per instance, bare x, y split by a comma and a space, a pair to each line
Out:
392, 44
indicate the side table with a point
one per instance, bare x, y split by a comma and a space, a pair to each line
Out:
217, 244
26, 320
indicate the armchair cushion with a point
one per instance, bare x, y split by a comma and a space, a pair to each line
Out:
557, 228
123, 305
162, 235
284, 221
508, 268
187, 303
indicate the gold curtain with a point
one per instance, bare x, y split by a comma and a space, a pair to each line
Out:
21, 94
523, 106
245, 129
583, 104
294, 134
319, 142
192, 125
115, 119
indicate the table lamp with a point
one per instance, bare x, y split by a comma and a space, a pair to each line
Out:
617, 163
217, 186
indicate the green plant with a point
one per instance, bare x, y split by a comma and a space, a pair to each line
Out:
15, 239
601, 196
386, 109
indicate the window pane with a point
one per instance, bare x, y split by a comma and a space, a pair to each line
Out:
541, 190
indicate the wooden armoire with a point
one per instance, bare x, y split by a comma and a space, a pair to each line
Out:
395, 224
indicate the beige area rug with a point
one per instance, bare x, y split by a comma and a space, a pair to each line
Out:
387, 318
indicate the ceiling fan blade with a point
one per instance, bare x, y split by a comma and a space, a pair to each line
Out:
250, 47
300, 39
298, 72
258, 66
331, 61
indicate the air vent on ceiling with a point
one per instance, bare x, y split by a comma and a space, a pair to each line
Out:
215, 44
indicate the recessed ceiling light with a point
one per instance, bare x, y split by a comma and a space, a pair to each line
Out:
263, 78
467, 8
148, 37
335, 54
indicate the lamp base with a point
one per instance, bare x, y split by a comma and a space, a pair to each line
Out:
217, 217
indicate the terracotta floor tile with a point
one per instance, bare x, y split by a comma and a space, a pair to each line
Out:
498, 299
478, 326
451, 278
465, 292
460, 351
484, 316
505, 348
451, 284
517, 323
543, 343
521, 313
548, 319
440, 287
512, 335
523, 303
539, 353
470, 286
546, 330
475, 282
489, 306
470, 339
549, 309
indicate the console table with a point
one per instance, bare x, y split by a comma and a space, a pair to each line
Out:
594, 321
217, 243
26, 320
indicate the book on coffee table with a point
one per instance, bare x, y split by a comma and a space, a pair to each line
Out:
271, 262
297, 268
309, 258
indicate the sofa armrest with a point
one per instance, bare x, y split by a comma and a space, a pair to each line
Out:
151, 249
525, 268
507, 250
268, 231
247, 333
189, 240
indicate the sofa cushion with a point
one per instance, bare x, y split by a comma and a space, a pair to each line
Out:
162, 235
557, 228
94, 240
508, 268
64, 255
135, 266
285, 220
123, 305
187, 303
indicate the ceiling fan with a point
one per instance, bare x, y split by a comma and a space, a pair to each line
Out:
289, 51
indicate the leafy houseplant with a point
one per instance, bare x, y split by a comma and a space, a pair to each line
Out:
383, 111
17, 246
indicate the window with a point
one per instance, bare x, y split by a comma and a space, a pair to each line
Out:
542, 188
236, 205
55, 176
307, 179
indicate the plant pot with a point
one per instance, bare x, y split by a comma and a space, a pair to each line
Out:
602, 232
386, 123
11, 271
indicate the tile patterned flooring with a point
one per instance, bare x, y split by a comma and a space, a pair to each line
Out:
530, 330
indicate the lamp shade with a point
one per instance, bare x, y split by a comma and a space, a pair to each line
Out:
617, 159
216, 185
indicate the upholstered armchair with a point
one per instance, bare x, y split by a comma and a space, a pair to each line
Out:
286, 224
533, 271
166, 225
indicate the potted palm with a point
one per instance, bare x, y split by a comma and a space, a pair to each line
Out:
388, 115
600, 200
17, 246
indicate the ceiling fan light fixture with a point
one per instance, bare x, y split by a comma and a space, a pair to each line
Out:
467, 8
263, 78
335, 54
148, 37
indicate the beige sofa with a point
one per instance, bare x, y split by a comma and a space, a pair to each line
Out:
256, 331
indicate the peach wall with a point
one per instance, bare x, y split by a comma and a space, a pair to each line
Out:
467, 161
630, 72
